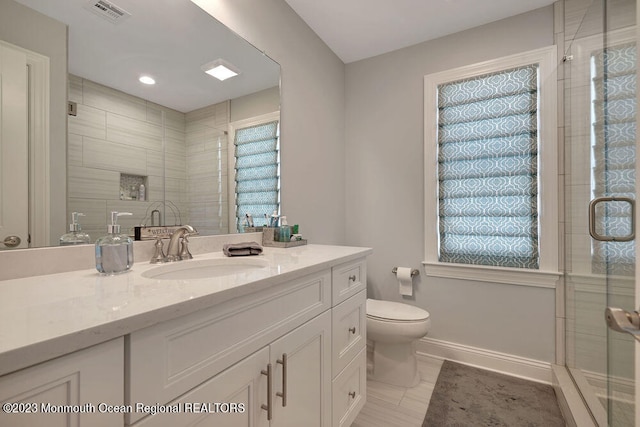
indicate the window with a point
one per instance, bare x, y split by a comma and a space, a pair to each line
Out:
257, 169
491, 166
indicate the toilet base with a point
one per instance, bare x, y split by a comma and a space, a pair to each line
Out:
395, 364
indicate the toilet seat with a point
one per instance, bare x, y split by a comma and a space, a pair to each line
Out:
389, 311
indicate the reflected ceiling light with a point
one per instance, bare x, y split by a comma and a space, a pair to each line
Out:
220, 69
147, 80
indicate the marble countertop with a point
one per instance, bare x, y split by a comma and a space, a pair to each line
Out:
43, 317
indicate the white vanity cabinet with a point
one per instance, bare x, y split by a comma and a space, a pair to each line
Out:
292, 355
84, 388
284, 384
284, 350
171, 359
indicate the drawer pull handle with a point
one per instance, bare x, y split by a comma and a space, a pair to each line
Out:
283, 395
268, 406
352, 330
352, 394
352, 278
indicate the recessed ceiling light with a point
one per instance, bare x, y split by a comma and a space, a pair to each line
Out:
147, 80
220, 69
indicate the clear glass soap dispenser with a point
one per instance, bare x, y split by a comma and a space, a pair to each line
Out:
114, 251
75, 236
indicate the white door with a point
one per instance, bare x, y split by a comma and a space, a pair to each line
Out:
301, 362
14, 160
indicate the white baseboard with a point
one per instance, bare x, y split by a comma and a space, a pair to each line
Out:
516, 366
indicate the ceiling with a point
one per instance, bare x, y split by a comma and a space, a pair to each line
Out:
167, 39
359, 29
173, 39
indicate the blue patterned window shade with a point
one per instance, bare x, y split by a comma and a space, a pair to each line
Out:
257, 172
613, 93
487, 169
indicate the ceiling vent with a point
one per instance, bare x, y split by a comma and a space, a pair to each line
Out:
107, 10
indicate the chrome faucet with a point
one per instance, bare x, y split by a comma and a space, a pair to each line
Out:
176, 251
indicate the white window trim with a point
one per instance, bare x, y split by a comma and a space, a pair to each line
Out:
547, 275
231, 189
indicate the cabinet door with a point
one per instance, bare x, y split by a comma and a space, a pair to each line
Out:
233, 398
307, 372
72, 390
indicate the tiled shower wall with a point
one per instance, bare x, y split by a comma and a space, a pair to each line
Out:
115, 133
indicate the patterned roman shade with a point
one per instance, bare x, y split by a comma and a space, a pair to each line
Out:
257, 172
487, 169
614, 153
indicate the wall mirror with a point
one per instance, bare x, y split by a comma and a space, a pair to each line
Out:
101, 140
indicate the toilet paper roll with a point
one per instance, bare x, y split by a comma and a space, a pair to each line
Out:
405, 282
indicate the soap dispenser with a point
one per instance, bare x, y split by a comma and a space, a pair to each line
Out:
75, 236
114, 252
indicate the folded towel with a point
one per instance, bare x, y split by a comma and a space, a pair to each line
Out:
242, 249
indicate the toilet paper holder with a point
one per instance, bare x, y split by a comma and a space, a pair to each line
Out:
414, 272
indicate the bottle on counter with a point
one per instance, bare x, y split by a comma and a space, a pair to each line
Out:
114, 251
285, 230
75, 236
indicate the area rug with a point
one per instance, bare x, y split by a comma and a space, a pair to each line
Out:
467, 396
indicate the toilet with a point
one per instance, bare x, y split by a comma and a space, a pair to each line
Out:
394, 328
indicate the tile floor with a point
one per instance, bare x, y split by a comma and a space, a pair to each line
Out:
392, 406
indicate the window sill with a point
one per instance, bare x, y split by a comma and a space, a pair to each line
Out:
509, 276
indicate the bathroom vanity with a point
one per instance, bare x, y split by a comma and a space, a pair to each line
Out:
274, 340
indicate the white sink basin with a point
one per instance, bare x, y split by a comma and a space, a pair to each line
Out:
203, 269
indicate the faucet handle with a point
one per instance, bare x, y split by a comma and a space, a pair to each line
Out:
159, 256
184, 251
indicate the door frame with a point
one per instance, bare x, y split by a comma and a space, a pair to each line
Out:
637, 218
39, 140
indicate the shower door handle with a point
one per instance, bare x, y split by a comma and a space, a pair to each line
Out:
623, 321
592, 220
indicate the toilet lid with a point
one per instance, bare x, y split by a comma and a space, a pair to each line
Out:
395, 311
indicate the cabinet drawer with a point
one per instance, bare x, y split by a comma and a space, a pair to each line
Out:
348, 279
168, 359
350, 391
348, 330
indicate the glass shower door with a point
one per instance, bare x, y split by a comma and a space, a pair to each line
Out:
600, 144
614, 116
612, 210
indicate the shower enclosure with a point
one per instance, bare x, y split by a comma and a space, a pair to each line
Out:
599, 73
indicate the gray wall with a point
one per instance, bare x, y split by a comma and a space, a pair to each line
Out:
384, 189
255, 104
50, 40
312, 114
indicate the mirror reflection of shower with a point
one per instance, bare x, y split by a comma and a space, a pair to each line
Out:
123, 127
